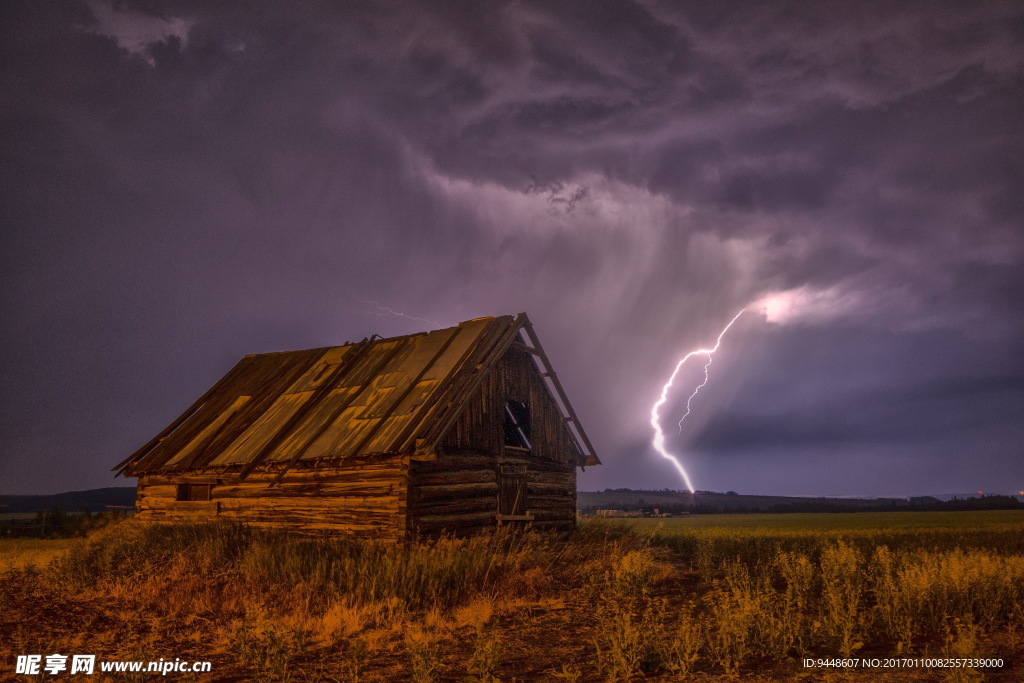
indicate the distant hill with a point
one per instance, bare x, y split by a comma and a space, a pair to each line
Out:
95, 500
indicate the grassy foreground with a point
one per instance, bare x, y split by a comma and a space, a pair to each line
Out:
612, 602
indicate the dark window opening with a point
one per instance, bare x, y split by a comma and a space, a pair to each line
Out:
199, 492
517, 424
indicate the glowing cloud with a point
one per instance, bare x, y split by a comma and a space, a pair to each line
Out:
804, 303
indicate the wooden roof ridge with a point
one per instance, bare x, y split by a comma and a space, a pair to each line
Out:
577, 432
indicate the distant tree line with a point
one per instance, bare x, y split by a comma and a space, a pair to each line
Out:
57, 523
923, 504
920, 504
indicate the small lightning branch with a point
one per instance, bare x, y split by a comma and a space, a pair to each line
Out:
659, 435
387, 310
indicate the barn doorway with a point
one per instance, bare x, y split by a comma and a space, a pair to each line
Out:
512, 492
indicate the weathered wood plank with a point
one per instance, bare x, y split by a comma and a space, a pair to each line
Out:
168, 491
328, 503
184, 506
454, 491
554, 490
382, 487
290, 517
453, 508
151, 480
540, 465
454, 462
178, 515
453, 477
457, 520
312, 503
565, 479
359, 469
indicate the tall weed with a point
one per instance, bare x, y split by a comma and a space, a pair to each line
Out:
682, 643
621, 642
841, 589
424, 658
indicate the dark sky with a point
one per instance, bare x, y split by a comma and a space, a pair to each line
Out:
183, 184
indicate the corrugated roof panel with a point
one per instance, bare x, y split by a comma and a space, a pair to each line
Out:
328, 443
379, 398
320, 418
387, 425
321, 371
365, 382
417, 396
259, 434
350, 431
204, 437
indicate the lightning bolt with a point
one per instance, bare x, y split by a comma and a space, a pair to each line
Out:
659, 435
387, 310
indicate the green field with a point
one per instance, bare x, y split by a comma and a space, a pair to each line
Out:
756, 538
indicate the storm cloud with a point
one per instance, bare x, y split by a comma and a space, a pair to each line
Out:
185, 183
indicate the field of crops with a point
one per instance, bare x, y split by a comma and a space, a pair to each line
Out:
839, 521
711, 597
933, 584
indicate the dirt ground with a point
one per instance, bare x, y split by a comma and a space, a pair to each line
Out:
537, 638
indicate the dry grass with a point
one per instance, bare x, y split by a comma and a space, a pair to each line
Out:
19, 553
606, 604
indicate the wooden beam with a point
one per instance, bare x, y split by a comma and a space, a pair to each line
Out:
523, 347
528, 326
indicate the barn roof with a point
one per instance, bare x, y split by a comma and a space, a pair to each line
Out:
395, 395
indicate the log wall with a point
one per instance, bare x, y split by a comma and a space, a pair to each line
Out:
366, 498
459, 494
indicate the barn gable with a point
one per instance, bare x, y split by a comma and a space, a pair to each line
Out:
339, 414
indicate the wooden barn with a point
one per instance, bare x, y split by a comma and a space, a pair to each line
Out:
453, 430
